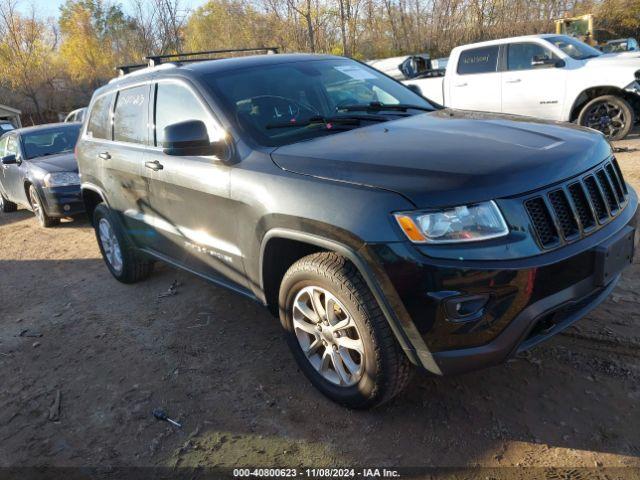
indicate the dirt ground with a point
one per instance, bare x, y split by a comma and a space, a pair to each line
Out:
216, 362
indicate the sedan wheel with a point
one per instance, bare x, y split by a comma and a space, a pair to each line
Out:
36, 205
328, 336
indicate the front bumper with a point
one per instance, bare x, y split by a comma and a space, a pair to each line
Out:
529, 300
62, 201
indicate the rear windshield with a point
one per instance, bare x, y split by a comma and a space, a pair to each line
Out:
258, 99
50, 142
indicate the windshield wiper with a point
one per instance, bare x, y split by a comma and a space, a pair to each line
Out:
378, 107
331, 123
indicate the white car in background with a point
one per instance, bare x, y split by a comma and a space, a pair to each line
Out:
554, 77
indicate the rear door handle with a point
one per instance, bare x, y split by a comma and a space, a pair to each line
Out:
104, 156
461, 85
517, 80
155, 165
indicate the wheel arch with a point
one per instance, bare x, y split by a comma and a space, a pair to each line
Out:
92, 196
272, 268
590, 93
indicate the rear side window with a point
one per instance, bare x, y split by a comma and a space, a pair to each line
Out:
99, 125
175, 103
130, 116
478, 60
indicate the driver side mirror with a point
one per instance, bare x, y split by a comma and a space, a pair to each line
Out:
10, 160
409, 68
190, 138
540, 61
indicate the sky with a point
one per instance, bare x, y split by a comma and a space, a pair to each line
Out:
51, 8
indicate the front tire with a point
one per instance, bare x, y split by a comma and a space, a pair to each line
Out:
38, 210
337, 333
609, 114
123, 261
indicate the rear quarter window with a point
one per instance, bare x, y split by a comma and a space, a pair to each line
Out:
478, 60
99, 124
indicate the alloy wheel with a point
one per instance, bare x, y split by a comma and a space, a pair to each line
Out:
35, 204
606, 117
110, 245
328, 336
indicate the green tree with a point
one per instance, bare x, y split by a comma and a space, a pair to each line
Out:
94, 39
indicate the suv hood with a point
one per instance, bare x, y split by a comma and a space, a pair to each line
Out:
450, 157
63, 162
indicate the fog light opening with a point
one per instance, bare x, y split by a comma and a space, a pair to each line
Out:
466, 309
66, 208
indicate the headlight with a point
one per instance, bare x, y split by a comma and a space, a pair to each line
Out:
471, 223
61, 179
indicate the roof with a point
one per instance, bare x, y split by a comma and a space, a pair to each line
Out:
509, 40
10, 109
214, 66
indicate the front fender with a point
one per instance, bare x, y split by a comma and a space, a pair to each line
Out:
399, 320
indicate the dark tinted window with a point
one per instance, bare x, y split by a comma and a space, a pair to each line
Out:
130, 116
175, 103
521, 55
99, 125
478, 60
50, 142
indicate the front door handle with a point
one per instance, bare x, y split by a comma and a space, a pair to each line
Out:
517, 80
104, 156
462, 85
155, 165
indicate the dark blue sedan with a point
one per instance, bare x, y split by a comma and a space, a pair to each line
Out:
38, 170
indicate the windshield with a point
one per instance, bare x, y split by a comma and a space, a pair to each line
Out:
289, 102
612, 47
50, 142
573, 47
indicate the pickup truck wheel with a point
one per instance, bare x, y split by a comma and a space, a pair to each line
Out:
122, 259
6, 206
38, 210
609, 114
338, 334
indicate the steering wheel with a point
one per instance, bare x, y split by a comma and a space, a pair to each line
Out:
280, 109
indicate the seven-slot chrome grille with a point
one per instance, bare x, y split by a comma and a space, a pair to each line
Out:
578, 207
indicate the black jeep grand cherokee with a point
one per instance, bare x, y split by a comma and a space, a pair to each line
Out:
385, 232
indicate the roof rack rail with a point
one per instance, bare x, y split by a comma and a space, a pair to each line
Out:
155, 60
125, 69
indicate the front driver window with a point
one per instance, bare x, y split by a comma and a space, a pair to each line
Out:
175, 103
521, 55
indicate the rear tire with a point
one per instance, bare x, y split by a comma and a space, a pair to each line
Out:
38, 210
123, 260
6, 206
610, 114
338, 335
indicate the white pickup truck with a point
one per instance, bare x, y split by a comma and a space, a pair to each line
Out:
554, 77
